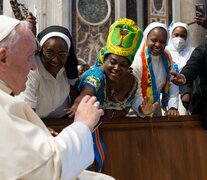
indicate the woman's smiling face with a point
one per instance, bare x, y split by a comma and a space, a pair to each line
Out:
115, 67
54, 54
156, 41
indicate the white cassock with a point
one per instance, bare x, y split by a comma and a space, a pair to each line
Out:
28, 151
180, 57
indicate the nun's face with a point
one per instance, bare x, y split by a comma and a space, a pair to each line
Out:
179, 32
156, 41
54, 54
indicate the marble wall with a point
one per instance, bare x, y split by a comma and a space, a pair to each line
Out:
187, 14
91, 22
63, 12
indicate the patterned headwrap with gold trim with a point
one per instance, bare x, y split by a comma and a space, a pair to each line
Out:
124, 39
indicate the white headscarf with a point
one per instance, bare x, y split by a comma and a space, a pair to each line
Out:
188, 39
53, 31
148, 29
186, 52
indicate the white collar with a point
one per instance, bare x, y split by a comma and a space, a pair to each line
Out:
45, 72
4, 87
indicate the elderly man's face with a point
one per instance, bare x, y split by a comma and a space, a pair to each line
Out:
21, 60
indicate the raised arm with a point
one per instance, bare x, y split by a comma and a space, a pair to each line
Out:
85, 91
74, 144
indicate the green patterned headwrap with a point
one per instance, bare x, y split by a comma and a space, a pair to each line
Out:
124, 39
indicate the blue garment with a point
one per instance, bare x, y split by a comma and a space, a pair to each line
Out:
94, 78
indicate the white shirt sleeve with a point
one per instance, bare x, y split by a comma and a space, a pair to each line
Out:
173, 96
137, 67
73, 81
137, 71
29, 94
173, 92
75, 147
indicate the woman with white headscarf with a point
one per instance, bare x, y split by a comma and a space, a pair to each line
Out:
152, 65
48, 88
180, 48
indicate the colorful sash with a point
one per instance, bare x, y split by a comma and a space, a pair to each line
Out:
149, 87
99, 149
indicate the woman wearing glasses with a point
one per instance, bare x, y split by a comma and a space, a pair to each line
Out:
48, 87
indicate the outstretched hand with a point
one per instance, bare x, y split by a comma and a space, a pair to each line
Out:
177, 78
172, 113
88, 112
201, 19
147, 107
31, 19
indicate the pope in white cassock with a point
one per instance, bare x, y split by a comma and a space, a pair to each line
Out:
28, 150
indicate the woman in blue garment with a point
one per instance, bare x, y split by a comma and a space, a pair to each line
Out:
111, 81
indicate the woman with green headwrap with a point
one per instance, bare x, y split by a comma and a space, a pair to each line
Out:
110, 80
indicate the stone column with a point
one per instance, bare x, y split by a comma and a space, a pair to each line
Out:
120, 9
187, 14
67, 14
140, 14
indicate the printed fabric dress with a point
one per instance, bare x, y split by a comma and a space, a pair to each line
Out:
96, 79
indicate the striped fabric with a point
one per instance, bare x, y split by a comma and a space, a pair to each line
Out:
148, 83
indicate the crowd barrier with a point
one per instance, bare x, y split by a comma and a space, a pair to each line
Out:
152, 148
